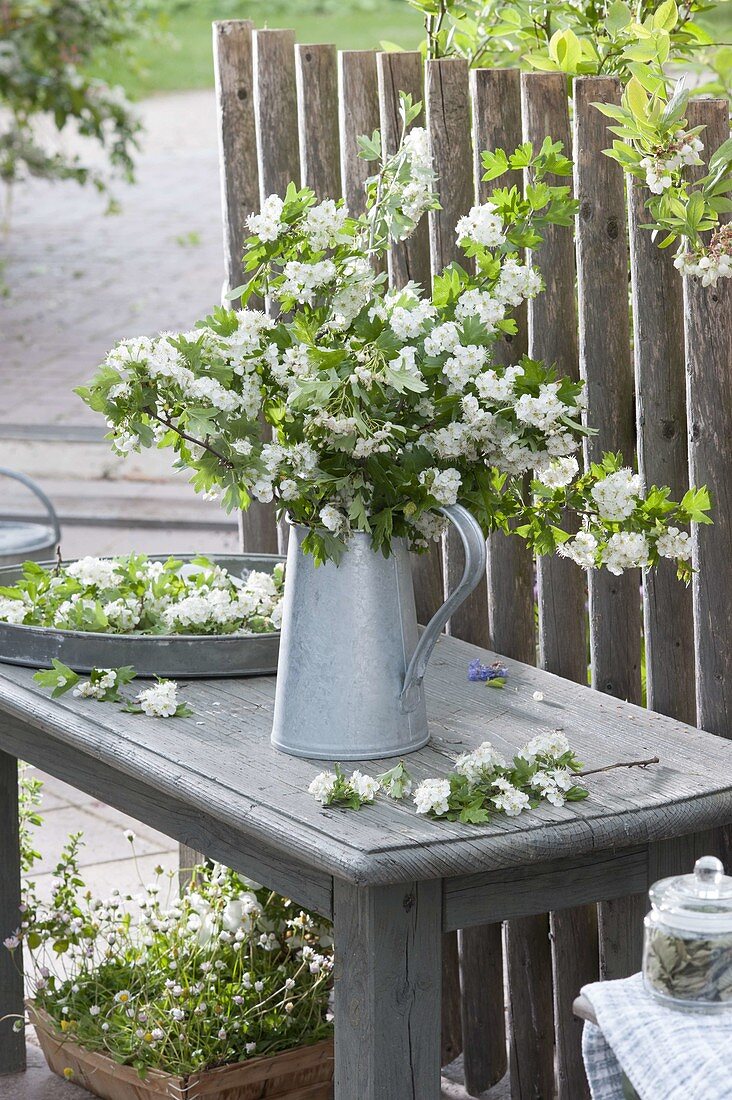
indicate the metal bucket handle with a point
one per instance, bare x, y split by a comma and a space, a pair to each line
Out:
474, 544
38, 492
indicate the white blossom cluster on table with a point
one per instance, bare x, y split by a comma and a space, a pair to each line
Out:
105, 685
481, 784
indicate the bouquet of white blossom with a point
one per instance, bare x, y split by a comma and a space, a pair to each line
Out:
382, 405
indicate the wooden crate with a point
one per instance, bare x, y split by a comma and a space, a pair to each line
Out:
305, 1073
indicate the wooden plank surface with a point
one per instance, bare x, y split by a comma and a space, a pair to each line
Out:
387, 991
660, 384
359, 114
602, 273
472, 899
12, 1044
708, 337
220, 763
316, 70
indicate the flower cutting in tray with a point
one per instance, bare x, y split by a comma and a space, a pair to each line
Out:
133, 595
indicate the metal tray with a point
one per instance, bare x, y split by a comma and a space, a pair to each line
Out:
179, 656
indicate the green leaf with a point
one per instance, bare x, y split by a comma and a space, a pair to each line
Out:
666, 16
60, 679
636, 98
495, 164
696, 503
618, 17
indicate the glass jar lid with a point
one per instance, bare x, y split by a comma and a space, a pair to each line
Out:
702, 900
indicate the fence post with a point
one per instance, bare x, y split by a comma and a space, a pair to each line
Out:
708, 338
410, 261
658, 344
316, 71
239, 172
359, 114
562, 586
448, 123
278, 148
602, 277
496, 98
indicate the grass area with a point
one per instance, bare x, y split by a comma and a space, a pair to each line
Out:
183, 59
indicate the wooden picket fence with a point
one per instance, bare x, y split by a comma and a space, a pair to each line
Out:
293, 112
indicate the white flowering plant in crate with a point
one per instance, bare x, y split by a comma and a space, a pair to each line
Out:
226, 971
383, 405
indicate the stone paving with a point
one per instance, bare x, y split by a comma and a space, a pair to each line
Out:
79, 280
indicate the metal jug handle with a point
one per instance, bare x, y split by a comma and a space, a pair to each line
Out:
474, 544
38, 492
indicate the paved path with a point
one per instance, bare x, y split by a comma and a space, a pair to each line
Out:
79, 280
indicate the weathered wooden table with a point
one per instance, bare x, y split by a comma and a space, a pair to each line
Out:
391, 881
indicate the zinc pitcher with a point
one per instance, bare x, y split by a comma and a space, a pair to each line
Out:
352, 660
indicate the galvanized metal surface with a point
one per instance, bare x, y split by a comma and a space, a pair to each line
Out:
182, 656
349, 685
21, 540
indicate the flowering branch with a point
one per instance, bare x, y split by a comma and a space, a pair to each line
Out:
191, 439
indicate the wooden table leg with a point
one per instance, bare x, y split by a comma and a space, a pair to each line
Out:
12, 1044
387, 991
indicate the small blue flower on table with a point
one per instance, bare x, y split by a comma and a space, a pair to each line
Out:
487, 673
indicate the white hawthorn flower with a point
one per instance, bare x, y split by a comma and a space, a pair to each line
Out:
431, 796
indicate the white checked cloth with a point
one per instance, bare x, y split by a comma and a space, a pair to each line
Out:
665, 1054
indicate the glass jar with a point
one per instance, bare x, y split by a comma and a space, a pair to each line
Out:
687, 951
